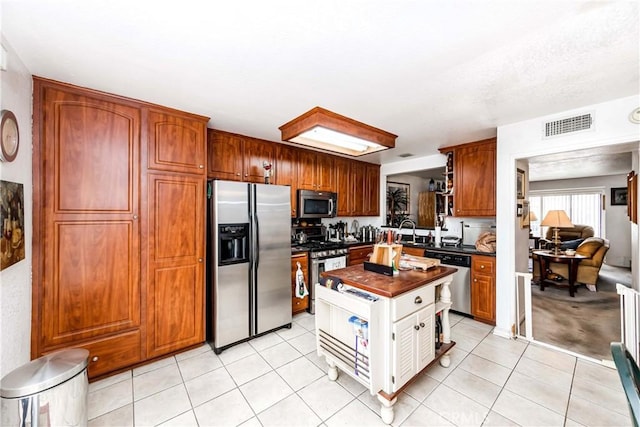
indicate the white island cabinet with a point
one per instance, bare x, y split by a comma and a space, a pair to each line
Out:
381, 330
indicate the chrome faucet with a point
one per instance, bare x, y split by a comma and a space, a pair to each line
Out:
413, 224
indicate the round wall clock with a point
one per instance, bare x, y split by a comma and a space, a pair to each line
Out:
10, 136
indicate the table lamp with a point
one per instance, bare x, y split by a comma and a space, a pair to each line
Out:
556, 219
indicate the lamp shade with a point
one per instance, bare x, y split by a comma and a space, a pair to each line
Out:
532, 216
557, 219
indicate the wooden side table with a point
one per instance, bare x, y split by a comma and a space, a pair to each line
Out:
547, 257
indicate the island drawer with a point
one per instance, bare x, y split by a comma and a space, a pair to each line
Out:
412, 301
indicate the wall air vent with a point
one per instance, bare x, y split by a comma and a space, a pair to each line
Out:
571, 124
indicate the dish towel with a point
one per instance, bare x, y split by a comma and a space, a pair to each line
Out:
301, 288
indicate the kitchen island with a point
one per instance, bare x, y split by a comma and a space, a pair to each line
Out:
383, 330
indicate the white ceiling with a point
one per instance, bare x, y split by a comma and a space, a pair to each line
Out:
435, 73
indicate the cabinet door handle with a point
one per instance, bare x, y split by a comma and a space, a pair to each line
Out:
418, 300
94, 358
417, 328
475, 280
237, 173
135, 217
201, 166
200, 260
422, 324
482, 266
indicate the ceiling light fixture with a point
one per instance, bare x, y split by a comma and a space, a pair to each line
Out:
326, 130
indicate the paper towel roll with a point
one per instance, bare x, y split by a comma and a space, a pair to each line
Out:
438, 236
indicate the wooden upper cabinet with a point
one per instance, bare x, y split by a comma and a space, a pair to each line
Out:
474, 178
86, 270
241, 158
307, 169
256, 152
234, 157
358, 186
176, 142
325, 172
286, 171
316, 171
225, 155
372, 190
175, 291
344, 188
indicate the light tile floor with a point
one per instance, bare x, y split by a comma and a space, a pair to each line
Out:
278, 379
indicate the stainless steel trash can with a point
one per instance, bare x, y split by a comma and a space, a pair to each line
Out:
48, 391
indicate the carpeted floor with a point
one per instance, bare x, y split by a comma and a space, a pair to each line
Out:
585, 324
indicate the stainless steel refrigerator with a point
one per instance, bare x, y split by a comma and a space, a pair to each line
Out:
250, 260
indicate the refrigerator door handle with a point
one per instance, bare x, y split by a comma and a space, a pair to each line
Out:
257, 246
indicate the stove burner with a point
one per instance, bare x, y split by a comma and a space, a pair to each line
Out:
318, 249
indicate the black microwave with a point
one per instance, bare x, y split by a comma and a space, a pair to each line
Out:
316, 204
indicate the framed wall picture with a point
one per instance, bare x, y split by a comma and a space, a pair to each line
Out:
520, 182
619, 196
12, 249
398, 202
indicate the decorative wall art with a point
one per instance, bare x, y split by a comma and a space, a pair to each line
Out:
520, 183
619, 196
12, 247
398, 202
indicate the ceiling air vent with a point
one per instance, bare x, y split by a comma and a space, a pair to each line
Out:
405, 155
571, 124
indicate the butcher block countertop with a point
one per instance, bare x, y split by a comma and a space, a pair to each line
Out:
388, 286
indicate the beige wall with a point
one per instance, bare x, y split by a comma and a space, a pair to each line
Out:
15, 281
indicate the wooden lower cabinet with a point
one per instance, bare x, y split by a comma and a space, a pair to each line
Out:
483, 288
298, 305
413, 251
118, 226
359, 254
175, 293
112, 353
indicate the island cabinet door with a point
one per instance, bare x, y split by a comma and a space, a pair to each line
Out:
413, 345
404, 349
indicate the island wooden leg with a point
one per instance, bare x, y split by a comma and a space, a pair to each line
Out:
332, 373
445, 296
386, 409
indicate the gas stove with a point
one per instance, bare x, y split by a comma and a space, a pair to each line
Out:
324, 249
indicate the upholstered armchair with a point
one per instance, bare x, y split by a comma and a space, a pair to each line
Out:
594, 248
573, 234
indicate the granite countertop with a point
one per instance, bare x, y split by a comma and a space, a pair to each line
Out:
388, 286
465, 250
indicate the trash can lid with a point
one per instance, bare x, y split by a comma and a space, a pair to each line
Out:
43, 373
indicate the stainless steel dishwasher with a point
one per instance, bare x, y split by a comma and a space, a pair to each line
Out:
461, 283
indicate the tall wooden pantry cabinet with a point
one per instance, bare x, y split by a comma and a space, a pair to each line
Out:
118, 233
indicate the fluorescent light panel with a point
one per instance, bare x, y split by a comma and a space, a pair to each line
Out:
326, 130
328, 136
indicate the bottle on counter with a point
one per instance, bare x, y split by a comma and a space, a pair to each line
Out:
439, 333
